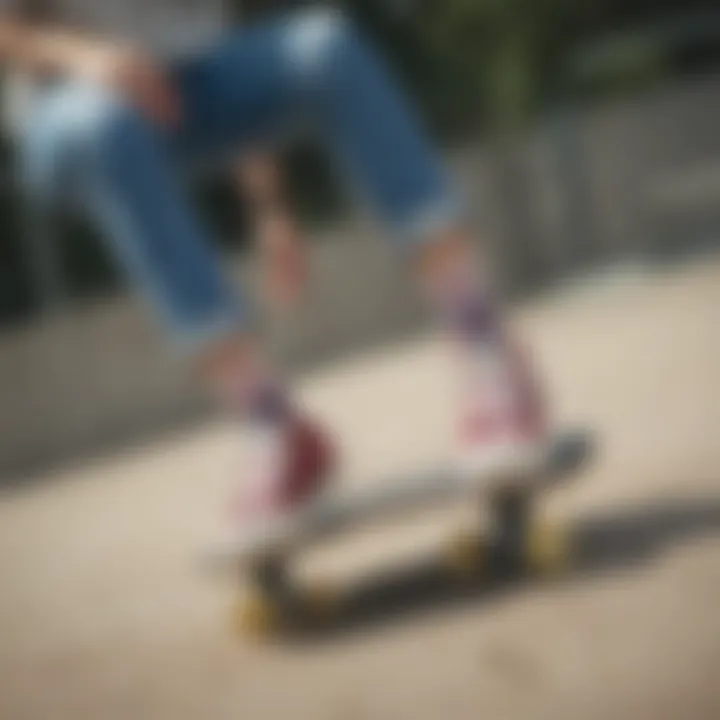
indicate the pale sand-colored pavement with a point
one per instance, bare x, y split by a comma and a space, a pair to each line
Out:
104, 615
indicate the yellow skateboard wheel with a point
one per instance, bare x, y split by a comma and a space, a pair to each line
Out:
257, 615
548, 549
465, 555
322, 601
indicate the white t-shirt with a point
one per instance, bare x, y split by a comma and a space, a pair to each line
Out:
162, 27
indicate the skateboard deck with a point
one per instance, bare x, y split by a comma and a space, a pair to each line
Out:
262, 558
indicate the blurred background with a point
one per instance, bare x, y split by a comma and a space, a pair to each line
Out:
586, 136
584, 133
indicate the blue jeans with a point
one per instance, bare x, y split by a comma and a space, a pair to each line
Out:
309, 70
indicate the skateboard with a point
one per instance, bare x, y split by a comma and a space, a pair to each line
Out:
516, 542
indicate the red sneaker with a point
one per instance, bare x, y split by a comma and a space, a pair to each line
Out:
289, 467
503, 425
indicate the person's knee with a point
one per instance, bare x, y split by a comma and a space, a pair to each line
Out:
317, 39
75, 136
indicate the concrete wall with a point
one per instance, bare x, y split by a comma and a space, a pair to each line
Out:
102, 373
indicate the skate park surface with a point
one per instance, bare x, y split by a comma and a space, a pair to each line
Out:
104, 613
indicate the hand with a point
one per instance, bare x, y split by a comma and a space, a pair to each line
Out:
284, 259
136, 77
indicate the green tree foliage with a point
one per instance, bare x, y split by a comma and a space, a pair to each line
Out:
507, 52
479, 63
495, 63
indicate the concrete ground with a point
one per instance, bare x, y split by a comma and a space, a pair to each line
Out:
104, 614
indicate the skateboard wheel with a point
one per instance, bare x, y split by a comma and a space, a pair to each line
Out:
464, 556
257, 615
548, 549
322, 601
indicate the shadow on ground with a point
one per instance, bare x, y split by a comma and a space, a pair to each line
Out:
615, 541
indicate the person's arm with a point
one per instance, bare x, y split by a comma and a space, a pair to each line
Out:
281, 247
40, 49
45, 49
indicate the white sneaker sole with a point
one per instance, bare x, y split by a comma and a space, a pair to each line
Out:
502, 465
264, 537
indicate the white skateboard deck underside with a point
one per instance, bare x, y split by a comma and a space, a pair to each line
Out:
337, 511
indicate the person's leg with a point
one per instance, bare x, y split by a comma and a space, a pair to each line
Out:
325, 73
313, 69
502, 420
88, 151
87, 148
